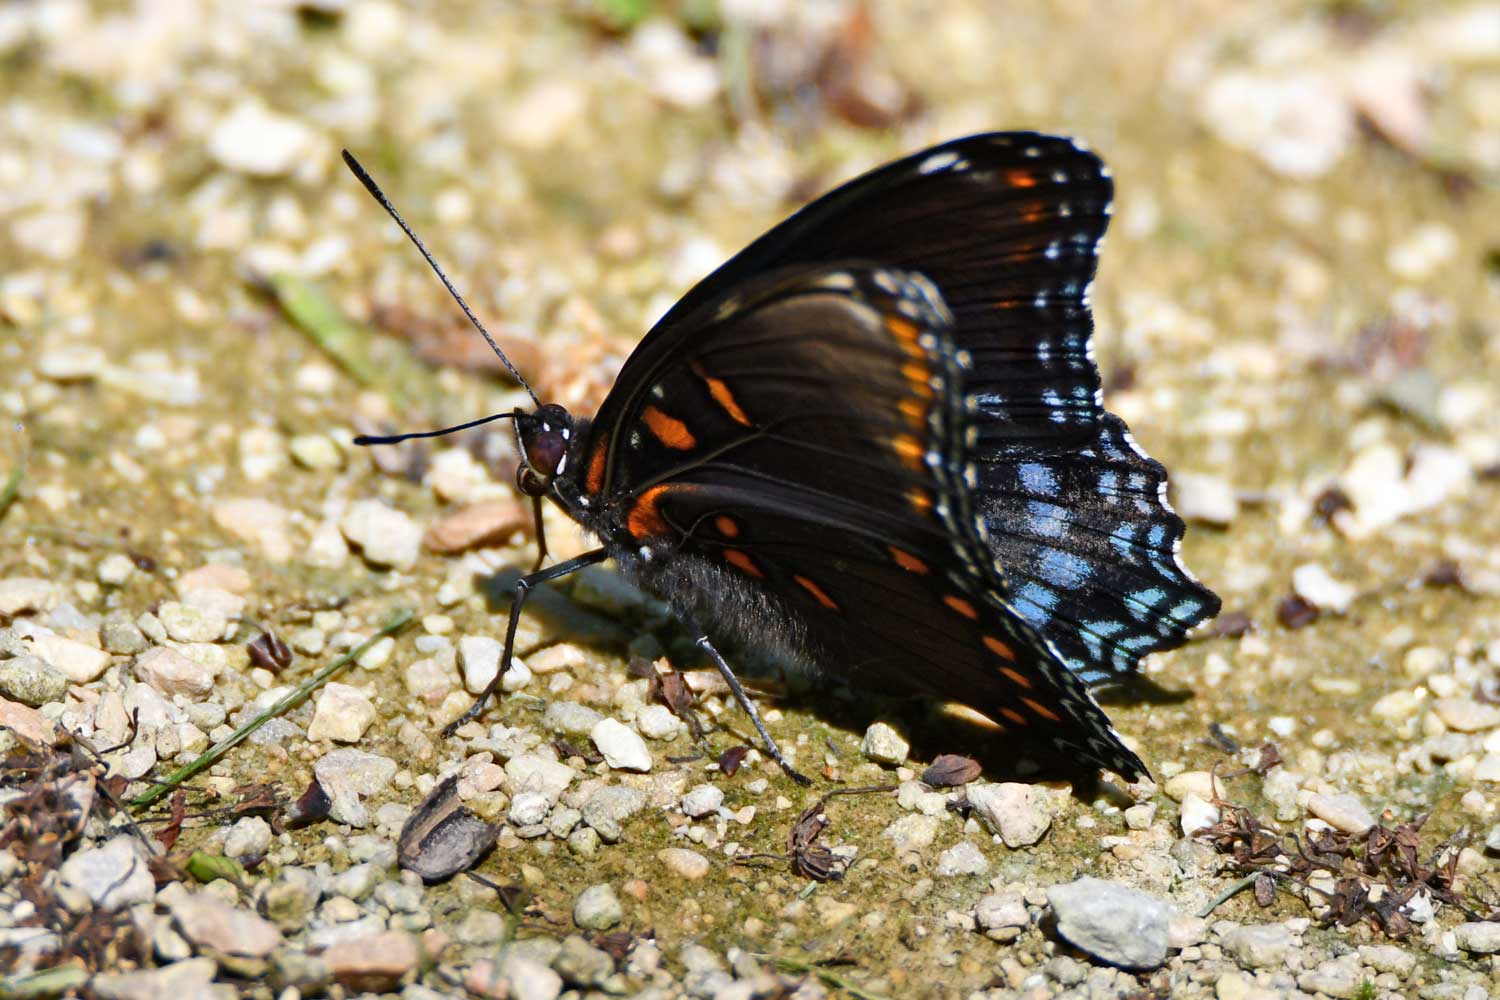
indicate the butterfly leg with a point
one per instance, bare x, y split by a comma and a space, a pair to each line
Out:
518, 600
749, 707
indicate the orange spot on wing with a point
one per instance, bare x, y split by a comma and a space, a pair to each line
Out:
1015, 716
915, 410
721, 394
727, 526
999, 648
906, 334
909, 562
919, 499
917, 375
668, 429
910, 450
1042, 710
595, 481
818, 593
743, 562
962, 606
645, 520
1018, 678
1020, 179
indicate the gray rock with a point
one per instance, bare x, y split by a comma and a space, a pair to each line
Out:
1388, 958
570, 717
702, 801
357, 881
1001, 909
963, 858
190, 979
1338, 977
532, 772
609, 807
1259, 946
530, 979
1122, 926
211, 923
1479, 938
581, 964
250, 837
528, 809
347, 775
113, 876
884, 745
912, 832
1021, 814
597, 908
1342, 812
32, 681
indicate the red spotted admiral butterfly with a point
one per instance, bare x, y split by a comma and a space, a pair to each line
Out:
874, 442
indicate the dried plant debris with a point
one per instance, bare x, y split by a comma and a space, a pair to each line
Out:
1373, 877
56, 791
442, 837
807, 857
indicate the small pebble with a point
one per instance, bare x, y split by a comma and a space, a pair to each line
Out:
385, 536
1121, 925
656, 722
597, 908
1020, 813
963, 858
32, 681
1343, 812
342, 715
1314, 584
884, 745
622, 747
702, 801
683, 862
1205, 499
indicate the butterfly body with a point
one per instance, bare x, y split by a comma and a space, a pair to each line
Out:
874, 442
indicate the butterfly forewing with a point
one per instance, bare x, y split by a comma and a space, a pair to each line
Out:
807, 445
1007, 227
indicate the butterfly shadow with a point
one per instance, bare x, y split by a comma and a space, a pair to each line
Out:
635, 620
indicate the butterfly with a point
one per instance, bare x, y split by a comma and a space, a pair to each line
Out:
873, 442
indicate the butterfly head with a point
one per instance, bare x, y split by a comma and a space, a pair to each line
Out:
543, 437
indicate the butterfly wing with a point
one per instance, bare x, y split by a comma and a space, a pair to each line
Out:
795, 474
1007, 227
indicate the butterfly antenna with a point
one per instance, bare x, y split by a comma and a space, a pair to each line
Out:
385, 203
367, 439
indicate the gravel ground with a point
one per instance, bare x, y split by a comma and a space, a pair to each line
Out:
1297, 310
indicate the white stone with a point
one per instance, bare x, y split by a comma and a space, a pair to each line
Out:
1020, 813
683, 863
702, 801
622, 747
73, 363
531, 772
1314, 584
882, 744
386, 536
528, 809
20, 594
188, 623
253, 140
1203, 498
479, 659
963, 858
1342, 812
656, 722
114, 569
259, 523
173, 674
342, 715
78, 660
1197, 814
113, 876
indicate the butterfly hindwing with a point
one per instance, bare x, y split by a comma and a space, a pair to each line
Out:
808, 445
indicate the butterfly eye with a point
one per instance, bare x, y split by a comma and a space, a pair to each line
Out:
544, 442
